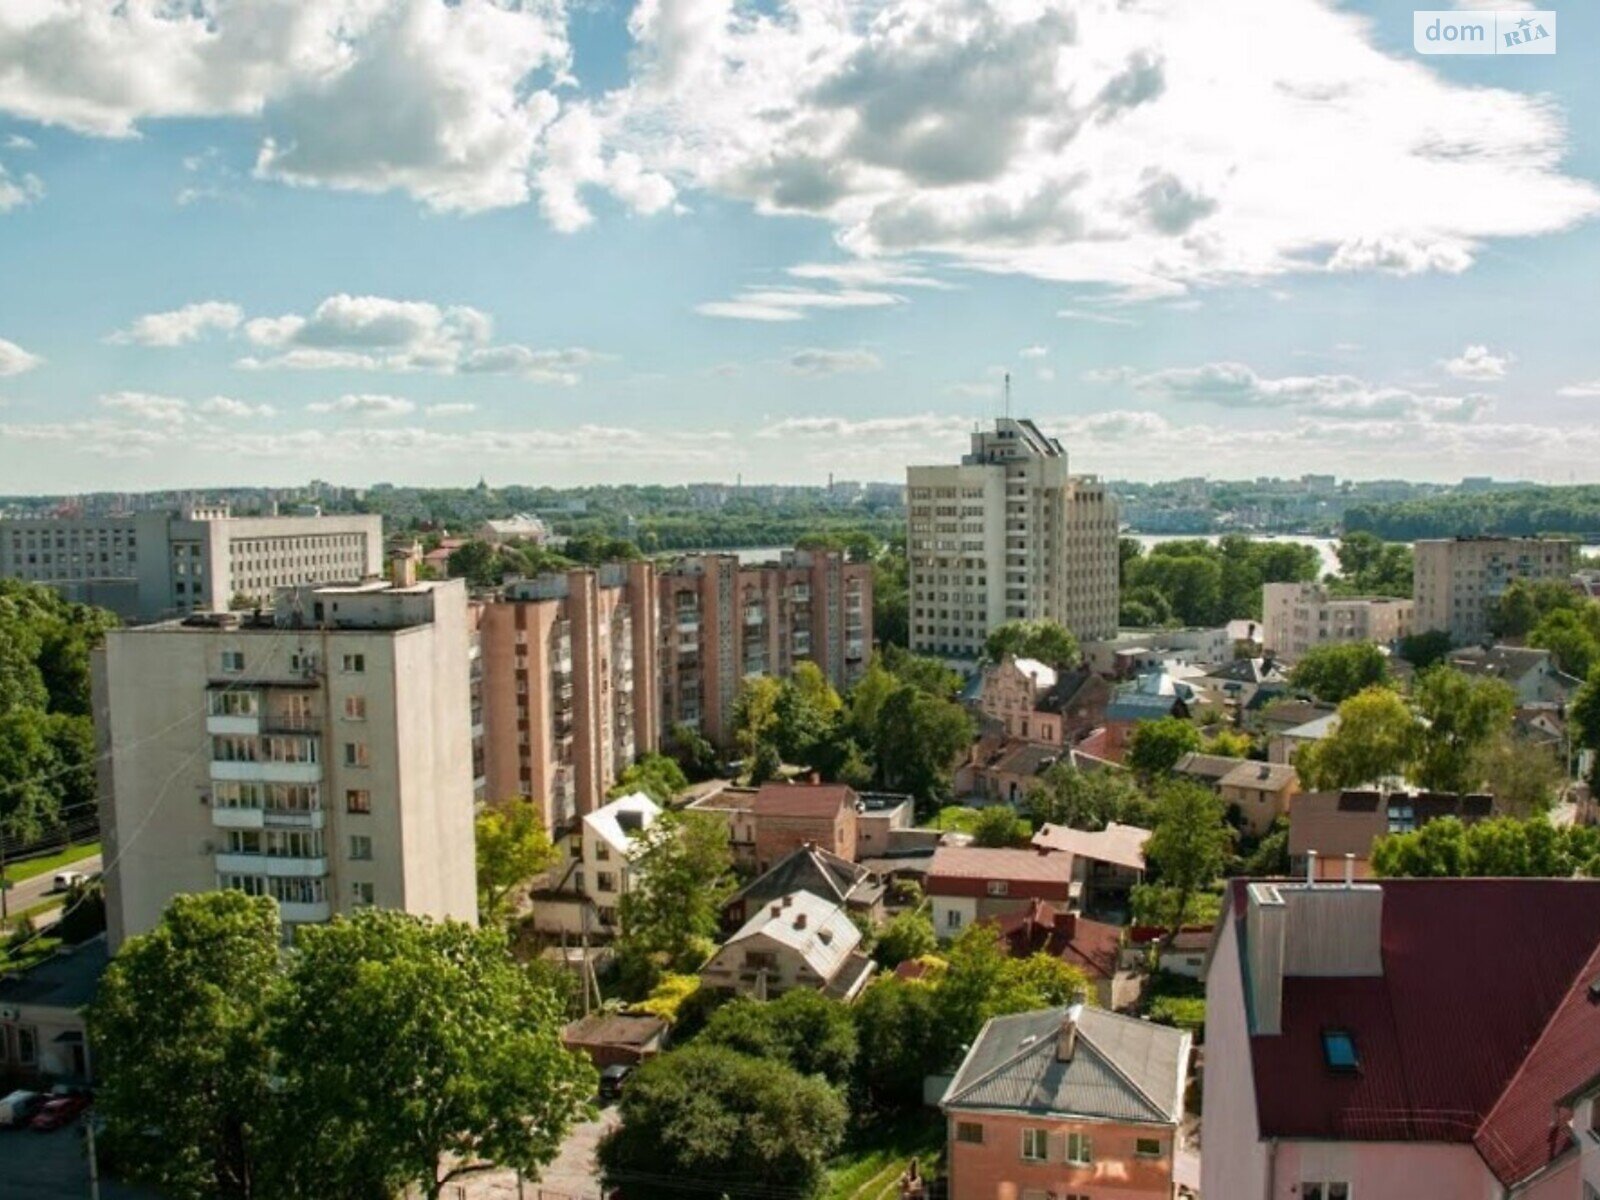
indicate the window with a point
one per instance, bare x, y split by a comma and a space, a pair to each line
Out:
998, 887
357, 800
952, 919
27, 1044
357, 755
1035, 1145
361, 894
354, 664
360, 848
233, 661
355, 708
1080, 1150
970, 1132
1339, 1050
1324, 1191
605, 881
1147, 1147
602, 852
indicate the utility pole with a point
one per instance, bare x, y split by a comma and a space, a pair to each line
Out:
94, 1163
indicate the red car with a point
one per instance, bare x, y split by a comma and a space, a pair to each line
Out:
58, 1112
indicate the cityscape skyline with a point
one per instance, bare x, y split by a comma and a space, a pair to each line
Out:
1188, 264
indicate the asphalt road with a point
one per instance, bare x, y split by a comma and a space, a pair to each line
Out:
51, 1166
30, 891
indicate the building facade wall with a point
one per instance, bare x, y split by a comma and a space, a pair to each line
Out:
1233, 1159
1296, 617
1458, 580
778, 835
994, 1169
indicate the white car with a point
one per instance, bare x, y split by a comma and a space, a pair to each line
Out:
18, 1107
65, 881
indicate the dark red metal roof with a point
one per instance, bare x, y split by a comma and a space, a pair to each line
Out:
1480, 1024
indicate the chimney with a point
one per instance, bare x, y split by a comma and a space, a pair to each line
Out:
777, 910
799, 920
1308, 931
1311, 866
788, 900
1349, 869
1067, 1035
403, 569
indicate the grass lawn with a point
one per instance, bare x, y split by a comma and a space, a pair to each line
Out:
38, 949
17, 872
870, 1165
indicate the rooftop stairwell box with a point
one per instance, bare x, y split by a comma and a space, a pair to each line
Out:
1309, 930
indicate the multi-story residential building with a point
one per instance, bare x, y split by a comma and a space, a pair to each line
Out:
1008, 533
1038, 703
1358, 1049
155, 565
569, 663
722, 621
1299, 616
1069, 1102
319, 754
1457, 581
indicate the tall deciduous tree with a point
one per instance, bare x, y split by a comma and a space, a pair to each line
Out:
801, 1029
918, 741
411, 1051
1047, 641
1461, 716
1154, 747
1583, 718
1376, 736
179, 1035
1189, 846
512, 849
1504, 846
1338, 670
1523, 777
656, 775
1091, 800
683, 880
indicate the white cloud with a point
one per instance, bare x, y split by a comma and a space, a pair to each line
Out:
366, 405
14, 360
1034, 351
450, 410
180, 325
1333, 397
817, 362
1582, 390
15, 192
160, 410
792, 303
17, 142
227, 406
1045, 375
870, 273
1098, 318
1479, 363
831, 428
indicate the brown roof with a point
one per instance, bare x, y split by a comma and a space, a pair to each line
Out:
1269, 777
802, 799
1092, 946
613, 1029
1122, 845
975, 862
1210, 767
1323, 822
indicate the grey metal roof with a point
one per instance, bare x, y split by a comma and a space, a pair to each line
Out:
1122, 1069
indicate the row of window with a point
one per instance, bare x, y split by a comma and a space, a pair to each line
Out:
233, 663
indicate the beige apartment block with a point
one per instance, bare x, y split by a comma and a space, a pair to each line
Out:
1008, 533
156, 565
722, 621
1457, 581
1299, 616
569, 663
319, 753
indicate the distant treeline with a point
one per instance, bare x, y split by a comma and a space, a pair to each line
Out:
1554, 510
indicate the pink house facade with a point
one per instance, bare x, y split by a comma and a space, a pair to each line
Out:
1357, 1049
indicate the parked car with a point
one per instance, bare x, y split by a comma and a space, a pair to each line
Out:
65, 881
18, 1108
59, 1111
611, 1081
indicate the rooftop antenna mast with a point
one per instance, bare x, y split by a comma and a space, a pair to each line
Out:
1008, 395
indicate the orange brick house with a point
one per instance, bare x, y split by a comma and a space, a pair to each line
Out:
1075, 1103
791, 815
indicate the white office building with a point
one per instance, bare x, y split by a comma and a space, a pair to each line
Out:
1008, 533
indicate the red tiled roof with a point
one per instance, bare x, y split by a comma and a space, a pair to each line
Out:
1042, 929
974, 862
802, 799
1459, 1040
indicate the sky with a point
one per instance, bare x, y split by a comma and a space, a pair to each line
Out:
583, 241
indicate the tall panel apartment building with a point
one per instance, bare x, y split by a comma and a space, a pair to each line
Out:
1457, 581
569, 663
1008, 533
1296, 617
722, 621
320, 754
156, 565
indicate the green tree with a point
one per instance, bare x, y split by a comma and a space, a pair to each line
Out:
927, 675
179, 1035
1064, 795
755, 713
1189, 846
1338, 670
894, 1019
1583, 721
1423, 650
1154, 747
999, 826
1369, 566
656, 775
1572, 636
1523, 777
675, 905
982, 980
1524, 604
706, 1119
1230, 743
801, 1029
1044, 640
512, 850
29, 781
412, 1051
918, 740
1461, 716
907, 935
477, 562
805, 712
1376, 736
696, 756
1504, 846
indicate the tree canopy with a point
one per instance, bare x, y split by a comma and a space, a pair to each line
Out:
1338, 670
1154, 747
1046, 641
1376, 736
1196, 582
1504, 846
512, 850
1189, 846
1065, 795
1461, 716
675, 905
656, 775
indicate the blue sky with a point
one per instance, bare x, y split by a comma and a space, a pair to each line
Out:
261, 241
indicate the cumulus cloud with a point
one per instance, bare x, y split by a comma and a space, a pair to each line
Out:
227, 406
16, 191
1581, 390
792, 303
369, 406
1479, 363
450, 410
159, 410
180, 325
817, 362
14, 360
1334, 397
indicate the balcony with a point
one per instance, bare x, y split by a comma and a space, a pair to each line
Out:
688, 624
304, 913
266, 772
272, 865
290, 723
249, 726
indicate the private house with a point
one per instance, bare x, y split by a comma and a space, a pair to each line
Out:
969, 883
1186, 956
791, 815
1261, 791
1150, 697
1037, 703
809, 869
884, 824
1001, 772
1240, 680
42, 1032
1284, 745
1106, 863
1274, 715
1068, 1102
584, 895
800, 941
1094, 947
612, 1039
1327, 829
1355, 1050
1529, 672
